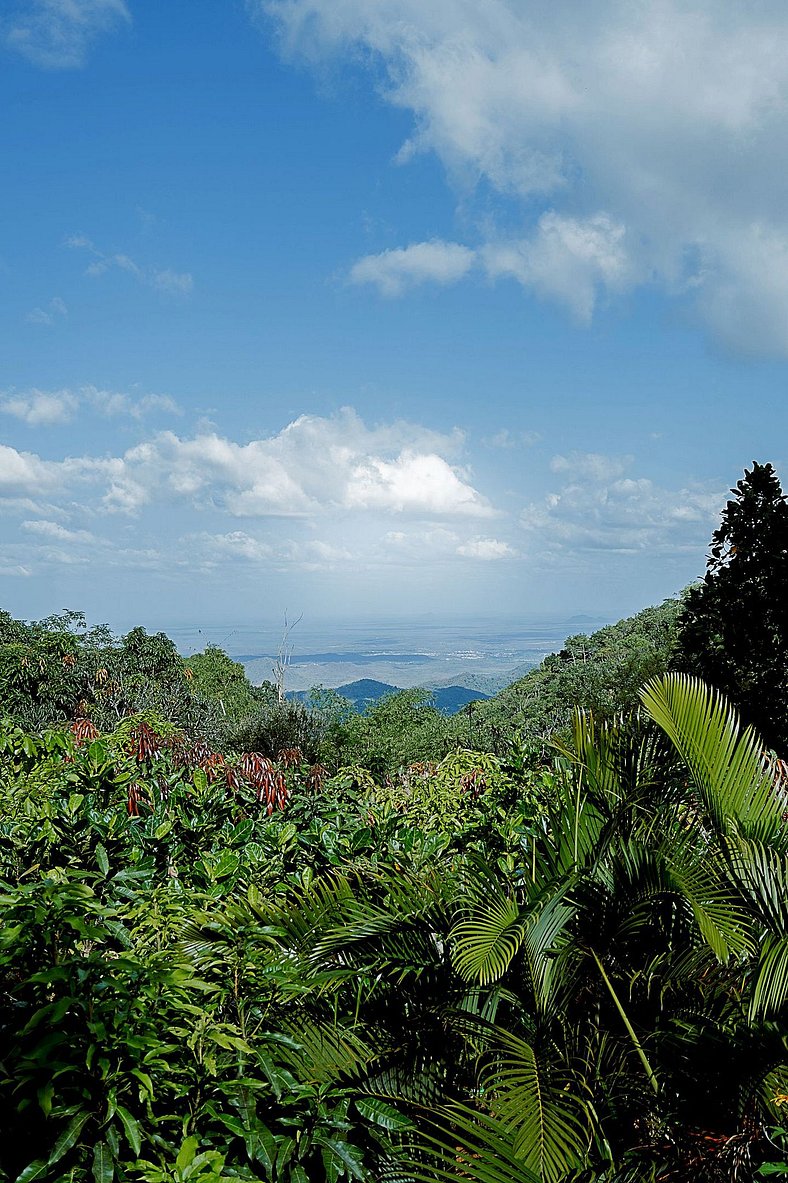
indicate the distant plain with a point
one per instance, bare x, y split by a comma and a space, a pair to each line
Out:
480, 654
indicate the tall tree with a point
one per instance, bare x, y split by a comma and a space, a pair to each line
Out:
734, 628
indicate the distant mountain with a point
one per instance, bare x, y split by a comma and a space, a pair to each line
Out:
450, 699
366, 691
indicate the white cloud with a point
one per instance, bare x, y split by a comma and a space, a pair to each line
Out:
644, 142
313, 464
591, 465
215, 551
487, 549
413, 482
57, 34
600, 509
112, 403
394, 271
215, 548
57, 532
55, 310
39, 408
568, 259
313, 467
179, 283
23, 472
165, 280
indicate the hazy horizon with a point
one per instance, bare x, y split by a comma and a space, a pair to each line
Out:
371, 309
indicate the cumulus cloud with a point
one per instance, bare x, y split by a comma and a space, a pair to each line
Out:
165, 280
599, 508
25, 473
394, 271
423, 483
644, 142
57, 34
41, 408
312, 467
569, 259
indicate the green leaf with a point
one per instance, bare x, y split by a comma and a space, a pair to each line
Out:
98, 751
103, 1166
470, 1146
68, 1138
382, 1114
33, 1171
132, 1129
349, 1156
487, 943
186, 1155
102, 859
725, 760
45, 1097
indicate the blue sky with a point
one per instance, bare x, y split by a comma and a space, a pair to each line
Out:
372, 307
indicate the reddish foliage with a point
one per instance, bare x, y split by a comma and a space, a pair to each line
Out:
144, 742
473, 783
316, 777
267, 780
136, 795
84, 731
290, 757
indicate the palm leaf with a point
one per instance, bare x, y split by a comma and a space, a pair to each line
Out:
735, 784
547, 1118
770, 984
465, 1146
486, 943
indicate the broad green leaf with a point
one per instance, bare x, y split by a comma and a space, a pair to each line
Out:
69, 1137
35, 1170
98, 751
132, 1129
102, 859
726, 761
349, 1156
103, 1166
489, 940
186, 1155
382, 1114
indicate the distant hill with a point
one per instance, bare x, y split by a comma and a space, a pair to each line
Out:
366, 691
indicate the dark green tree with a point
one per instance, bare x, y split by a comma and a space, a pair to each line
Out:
734, 627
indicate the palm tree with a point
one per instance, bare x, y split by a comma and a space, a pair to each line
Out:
639, 963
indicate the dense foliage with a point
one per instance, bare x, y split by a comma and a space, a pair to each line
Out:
734, 627
57, 669
216, 967
543, 941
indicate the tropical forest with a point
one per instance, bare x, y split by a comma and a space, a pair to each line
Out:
543, 940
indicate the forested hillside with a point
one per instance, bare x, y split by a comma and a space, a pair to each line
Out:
542, 941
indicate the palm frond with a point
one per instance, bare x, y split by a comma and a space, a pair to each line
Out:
770, 983
463, 1146
487, 941
527, 1096
726, 762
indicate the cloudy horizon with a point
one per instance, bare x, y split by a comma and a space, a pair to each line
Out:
350, 307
